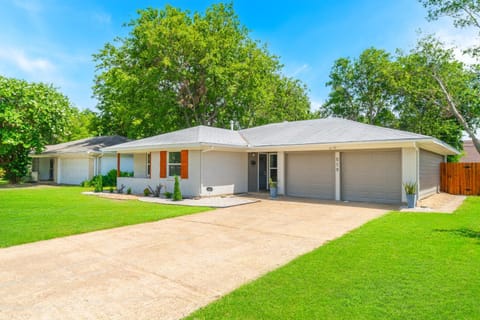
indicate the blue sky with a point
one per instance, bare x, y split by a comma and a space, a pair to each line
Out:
53, 40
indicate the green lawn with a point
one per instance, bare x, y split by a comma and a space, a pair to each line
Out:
33, 214
400, 266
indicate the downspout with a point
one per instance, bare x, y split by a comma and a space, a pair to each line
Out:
417, 150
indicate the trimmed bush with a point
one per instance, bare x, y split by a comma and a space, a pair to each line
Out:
177, 194
99, 184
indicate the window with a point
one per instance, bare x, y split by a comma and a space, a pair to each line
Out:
149, 164
272, 158
174, 164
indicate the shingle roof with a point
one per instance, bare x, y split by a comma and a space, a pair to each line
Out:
470, 153
200, 135
94, 144
319, 131
296, 133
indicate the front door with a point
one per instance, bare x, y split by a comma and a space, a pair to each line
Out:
262, 171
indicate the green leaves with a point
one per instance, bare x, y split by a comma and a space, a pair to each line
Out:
31, 116
401, 91
176, 69
362, 88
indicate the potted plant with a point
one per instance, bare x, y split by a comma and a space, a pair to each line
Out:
411, 192
273, 188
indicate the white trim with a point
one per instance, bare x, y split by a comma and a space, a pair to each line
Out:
337, 176
281, 172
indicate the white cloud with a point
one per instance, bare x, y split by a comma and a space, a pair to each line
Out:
302, 69
27, 64
460, 39
103, 18
31, 6
457, 38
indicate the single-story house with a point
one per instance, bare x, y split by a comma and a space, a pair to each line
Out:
75, 161
470, 154
331, 158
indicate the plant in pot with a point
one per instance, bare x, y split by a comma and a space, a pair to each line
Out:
411, 192
273, 188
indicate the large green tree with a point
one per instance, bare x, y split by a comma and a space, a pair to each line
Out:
465, 14
361, 89
421, 103
176, 69
402, 91
84, 124
31, 116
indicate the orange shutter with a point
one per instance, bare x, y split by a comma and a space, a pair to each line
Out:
163, 164
184, 164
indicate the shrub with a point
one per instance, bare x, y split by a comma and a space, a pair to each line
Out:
146, 192
111, 189
110, 179
2, 173
129, 191
168, 195
177, 194
99, 184
85, 183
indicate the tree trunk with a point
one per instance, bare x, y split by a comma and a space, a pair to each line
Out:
454, 110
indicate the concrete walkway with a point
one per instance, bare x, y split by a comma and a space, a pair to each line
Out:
165, 269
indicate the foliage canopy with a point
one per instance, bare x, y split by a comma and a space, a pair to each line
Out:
176, 69
31, 116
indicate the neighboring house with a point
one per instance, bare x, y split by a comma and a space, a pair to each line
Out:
333, 159
470, 153
75, 161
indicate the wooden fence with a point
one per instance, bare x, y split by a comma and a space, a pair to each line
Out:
460, 178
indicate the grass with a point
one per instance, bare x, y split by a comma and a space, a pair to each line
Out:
400, 266
33, 214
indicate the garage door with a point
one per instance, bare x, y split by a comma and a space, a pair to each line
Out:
429, 173
73, 171
371, 176
311, 174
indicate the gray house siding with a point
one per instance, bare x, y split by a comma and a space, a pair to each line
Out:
429, 172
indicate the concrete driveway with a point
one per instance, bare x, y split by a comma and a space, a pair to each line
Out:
165, 269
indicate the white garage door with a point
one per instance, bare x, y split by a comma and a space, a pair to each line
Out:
311, 174
429, 173
73, 171
371, 176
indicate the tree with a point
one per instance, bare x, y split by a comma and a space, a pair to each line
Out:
420, 104
31, 116
362, 88
176, 69
83, 125
465, 13
402, 91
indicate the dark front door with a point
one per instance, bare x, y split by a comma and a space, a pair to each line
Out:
262, 172
50, 172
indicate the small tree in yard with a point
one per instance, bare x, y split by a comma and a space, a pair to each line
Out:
177, 194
